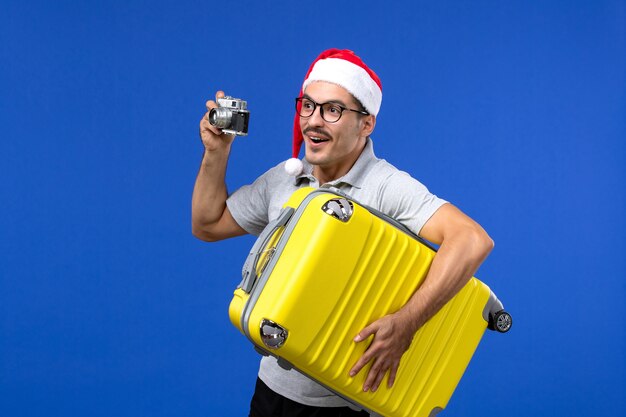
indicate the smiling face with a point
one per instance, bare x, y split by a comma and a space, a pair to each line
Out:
334, 147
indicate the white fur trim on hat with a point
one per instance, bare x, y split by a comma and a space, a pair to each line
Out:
293, 167
351, 77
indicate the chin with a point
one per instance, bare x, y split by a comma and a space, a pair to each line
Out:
312, 161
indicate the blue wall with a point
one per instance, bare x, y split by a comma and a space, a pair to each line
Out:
515, 111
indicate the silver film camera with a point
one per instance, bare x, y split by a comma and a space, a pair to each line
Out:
231, 116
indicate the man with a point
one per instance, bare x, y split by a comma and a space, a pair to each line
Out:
335, 116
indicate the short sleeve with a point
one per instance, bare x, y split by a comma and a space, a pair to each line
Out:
249, 205
407, 200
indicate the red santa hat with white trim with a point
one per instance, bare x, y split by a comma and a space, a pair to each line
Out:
347, 70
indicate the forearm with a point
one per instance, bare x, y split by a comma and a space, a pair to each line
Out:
455, 263
209, 193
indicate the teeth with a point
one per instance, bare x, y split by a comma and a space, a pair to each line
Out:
317, 140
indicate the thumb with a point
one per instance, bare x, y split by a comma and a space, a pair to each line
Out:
366, 332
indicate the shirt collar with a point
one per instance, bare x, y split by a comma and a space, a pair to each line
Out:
354, 177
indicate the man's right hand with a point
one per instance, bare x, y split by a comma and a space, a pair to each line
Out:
212, 137
210, 218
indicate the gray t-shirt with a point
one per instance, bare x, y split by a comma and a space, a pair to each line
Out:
370, 181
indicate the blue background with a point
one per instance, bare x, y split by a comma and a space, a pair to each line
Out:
513, 110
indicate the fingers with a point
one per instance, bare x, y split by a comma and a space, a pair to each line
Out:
205, 125
210, 104
392, 374
375, 376
366, 332
369, 353
384, 354
377, 373
364, 360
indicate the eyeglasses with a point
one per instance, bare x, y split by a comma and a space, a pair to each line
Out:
330, 112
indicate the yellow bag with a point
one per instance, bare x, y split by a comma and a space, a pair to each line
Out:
328, 267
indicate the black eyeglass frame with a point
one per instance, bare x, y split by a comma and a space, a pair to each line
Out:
321, 106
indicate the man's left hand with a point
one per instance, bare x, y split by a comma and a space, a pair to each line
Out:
392, 337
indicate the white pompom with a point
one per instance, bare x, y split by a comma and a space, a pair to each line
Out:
293, 167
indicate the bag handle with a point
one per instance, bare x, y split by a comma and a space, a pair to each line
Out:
248, 272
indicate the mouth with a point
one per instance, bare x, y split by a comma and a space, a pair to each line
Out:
316, 136
316, 139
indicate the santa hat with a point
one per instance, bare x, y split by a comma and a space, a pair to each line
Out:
344, 68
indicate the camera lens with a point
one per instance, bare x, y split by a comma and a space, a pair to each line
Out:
220, 117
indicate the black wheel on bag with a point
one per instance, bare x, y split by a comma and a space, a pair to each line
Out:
501, 322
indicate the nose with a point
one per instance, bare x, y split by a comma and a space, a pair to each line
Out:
316, 118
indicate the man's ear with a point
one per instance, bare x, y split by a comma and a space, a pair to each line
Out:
369, 122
